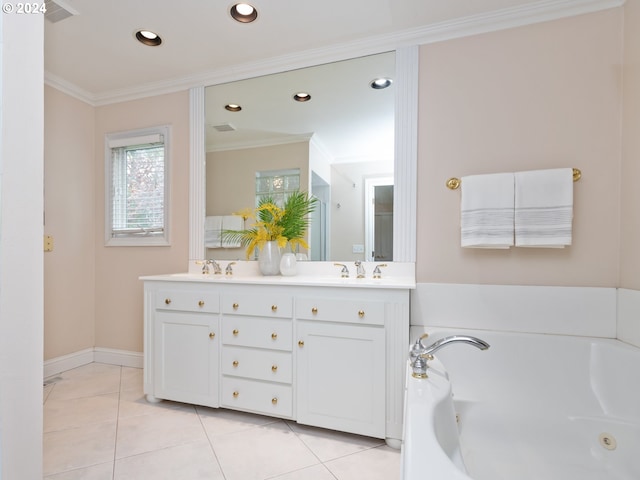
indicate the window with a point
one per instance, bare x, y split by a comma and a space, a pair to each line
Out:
277, 184
137, 187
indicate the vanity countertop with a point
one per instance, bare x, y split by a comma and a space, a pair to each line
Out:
397, 275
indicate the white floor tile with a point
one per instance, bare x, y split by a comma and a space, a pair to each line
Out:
169, 428
220, 421
261, 452
380, 463
192, 461
317, 472
103, 471
78, 447
60, 414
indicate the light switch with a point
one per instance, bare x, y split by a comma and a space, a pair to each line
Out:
357, 249
48, 243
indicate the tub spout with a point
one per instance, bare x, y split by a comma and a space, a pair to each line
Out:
419, 354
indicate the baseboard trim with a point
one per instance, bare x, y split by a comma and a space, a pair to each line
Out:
109, 356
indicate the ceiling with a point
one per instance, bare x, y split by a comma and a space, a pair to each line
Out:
93, 55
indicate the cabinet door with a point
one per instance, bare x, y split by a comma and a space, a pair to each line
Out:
186, 357
340, 379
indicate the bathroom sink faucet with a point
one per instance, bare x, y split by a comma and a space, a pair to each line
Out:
419, 354
360, 269
216, 266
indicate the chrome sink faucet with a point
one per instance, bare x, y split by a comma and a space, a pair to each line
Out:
360, 273
419, 354
216, 266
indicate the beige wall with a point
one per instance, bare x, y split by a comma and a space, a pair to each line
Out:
231, 180
539, 96
630, 192
118, 298
69, 210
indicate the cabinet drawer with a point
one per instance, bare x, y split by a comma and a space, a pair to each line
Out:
362, 312
263, 305
269, 365
189, 301
272, 333
273, 399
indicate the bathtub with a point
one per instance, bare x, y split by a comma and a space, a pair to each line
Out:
532, 407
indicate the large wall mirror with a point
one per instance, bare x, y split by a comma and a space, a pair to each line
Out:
352, 145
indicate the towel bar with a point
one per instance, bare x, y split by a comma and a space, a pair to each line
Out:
454, 183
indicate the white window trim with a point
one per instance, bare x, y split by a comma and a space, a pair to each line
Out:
132, 137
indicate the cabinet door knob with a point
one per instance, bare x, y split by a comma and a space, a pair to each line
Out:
235, 363
274, 368
274, 308
274, 400
301, 343
235, 306
167, 301
274, 336
235, 332
361, 313
212, 335
235, 394
201, 303
314, 310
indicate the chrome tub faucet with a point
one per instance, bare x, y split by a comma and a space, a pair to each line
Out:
419, 355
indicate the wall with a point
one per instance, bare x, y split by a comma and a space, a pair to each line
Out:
21, 263
69, 208
231, 180
539, 96
118, 290
630, 203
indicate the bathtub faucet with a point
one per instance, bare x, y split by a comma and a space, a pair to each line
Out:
419, 354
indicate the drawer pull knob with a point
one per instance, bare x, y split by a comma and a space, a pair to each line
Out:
274, 336
274, 308
361, 313
301, 343
235, 363
167, 301
235, 306
274, 400
212, 335
235, 332
274, 368
201, 303
235, 394
314, 310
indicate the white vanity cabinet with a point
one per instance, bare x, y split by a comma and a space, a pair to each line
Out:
257, 359
327, 355
185, 350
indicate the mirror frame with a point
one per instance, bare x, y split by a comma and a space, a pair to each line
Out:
405, 162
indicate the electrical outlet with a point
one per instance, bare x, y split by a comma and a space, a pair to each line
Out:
357, 248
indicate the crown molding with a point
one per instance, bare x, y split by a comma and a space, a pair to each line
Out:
541, 11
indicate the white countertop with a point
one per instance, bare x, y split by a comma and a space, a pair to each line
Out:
400, 275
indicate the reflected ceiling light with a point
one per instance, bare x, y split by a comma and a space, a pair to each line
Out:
302, 97
380, 83
243, 13
232, 107
149, 38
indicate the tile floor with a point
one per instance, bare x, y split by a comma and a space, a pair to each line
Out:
98, 426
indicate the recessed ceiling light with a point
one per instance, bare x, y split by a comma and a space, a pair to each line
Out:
232, 107
243, 13
147, 37
302, 97
380, 83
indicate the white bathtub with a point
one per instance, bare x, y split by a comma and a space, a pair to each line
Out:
532, 407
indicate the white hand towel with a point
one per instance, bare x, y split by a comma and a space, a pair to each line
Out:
486, 216
544, 208
232, 222
212, 230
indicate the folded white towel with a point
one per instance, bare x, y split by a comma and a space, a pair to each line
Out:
544, 207
212, 230
486, 211
232, 222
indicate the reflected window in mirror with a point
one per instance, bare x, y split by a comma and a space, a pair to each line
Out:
277, 184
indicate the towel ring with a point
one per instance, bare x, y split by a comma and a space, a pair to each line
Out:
454, 183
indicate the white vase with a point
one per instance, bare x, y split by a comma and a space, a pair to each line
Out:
269, 258
288, 264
